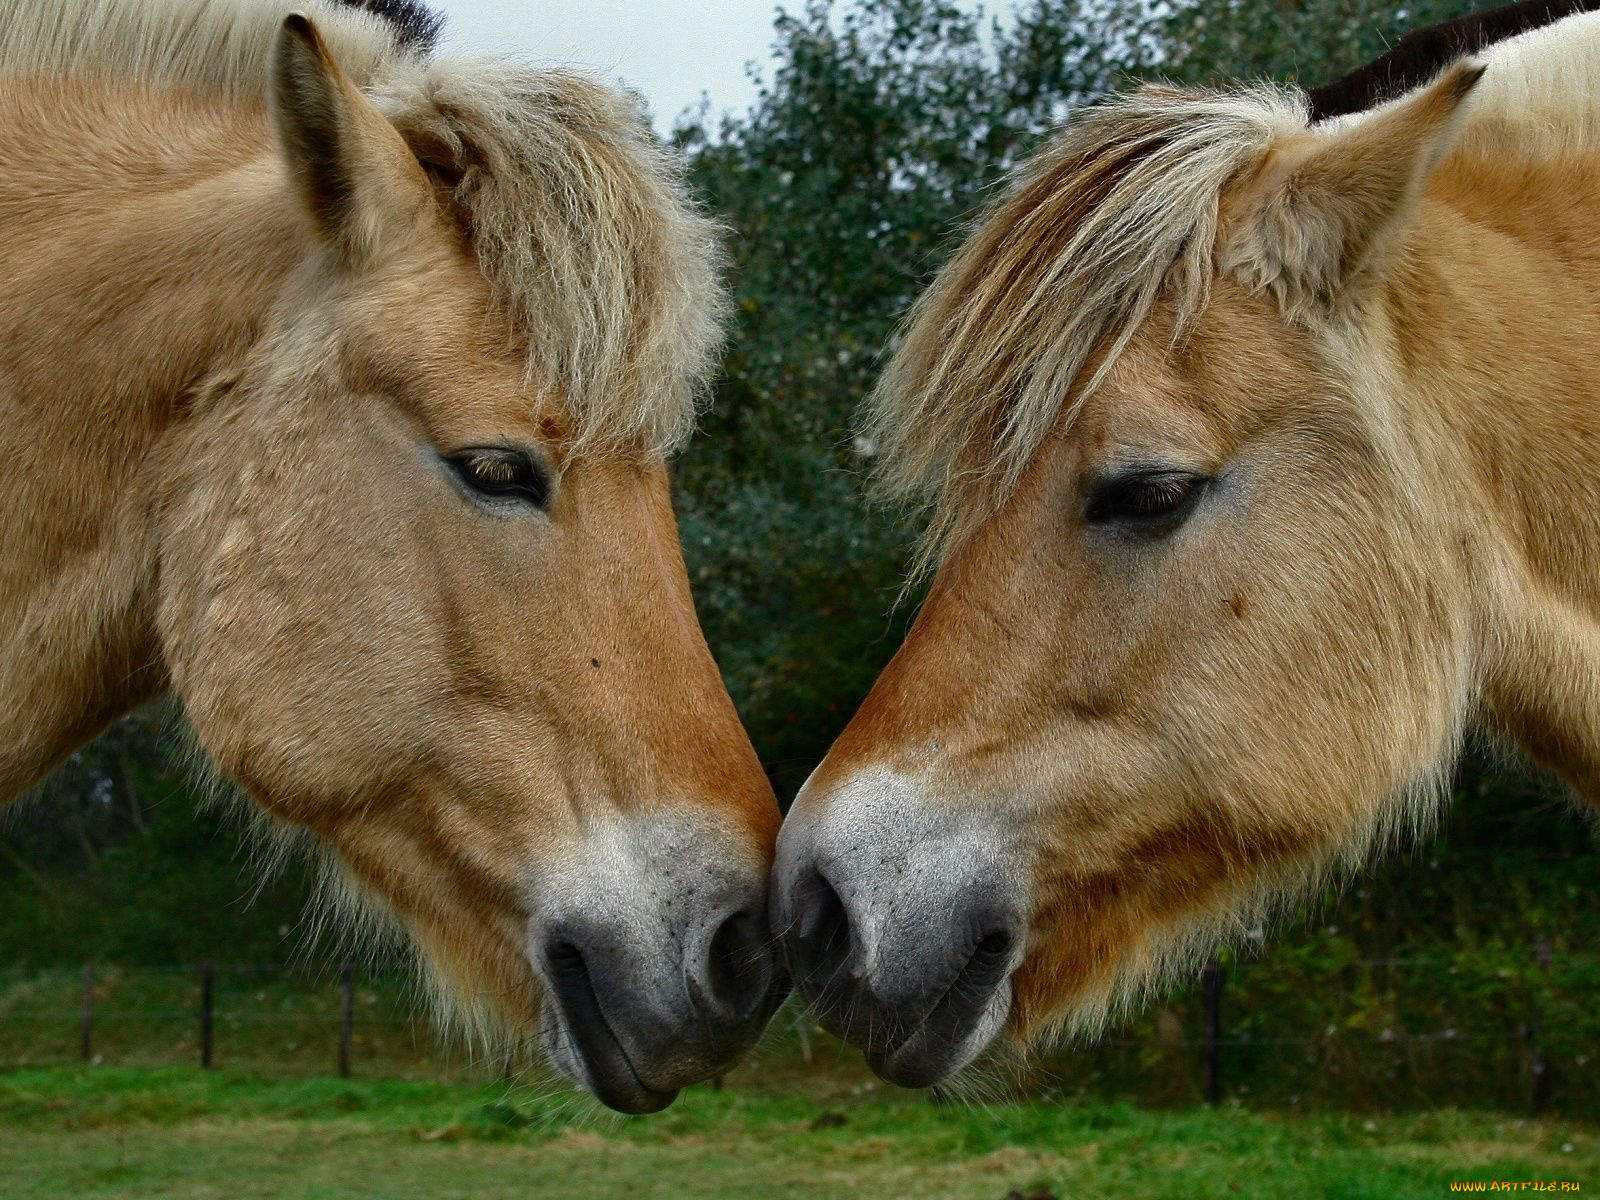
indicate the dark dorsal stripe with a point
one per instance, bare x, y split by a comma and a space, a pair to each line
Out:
417, 25
1418, 57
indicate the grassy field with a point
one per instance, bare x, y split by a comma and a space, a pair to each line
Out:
88, 1133
801, 1118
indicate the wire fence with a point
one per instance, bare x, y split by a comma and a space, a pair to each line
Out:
1514, 1033
268, 1018
1497, 1026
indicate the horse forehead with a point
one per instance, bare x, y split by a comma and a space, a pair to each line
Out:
441, 352
1150, 396
431, 293
1214, 377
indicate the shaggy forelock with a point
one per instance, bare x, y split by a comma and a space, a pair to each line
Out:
1119, 211
583, 226
580, 220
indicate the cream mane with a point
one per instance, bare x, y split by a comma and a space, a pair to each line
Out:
1120, 212
580, 220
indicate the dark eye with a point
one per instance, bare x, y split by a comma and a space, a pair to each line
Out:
502, 475
1154, 501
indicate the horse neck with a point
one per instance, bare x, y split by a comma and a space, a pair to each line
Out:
1494, 324
142, 238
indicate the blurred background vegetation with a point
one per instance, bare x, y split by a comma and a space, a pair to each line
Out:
882, 128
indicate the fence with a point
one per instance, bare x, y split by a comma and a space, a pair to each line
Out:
1384, 1030
1510, 1029
207, 1016
264, 1018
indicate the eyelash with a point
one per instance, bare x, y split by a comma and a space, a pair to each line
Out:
502, 475
1153, 500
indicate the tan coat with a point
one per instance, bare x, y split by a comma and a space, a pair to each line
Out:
331, 411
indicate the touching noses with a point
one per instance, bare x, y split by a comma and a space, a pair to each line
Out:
901, 933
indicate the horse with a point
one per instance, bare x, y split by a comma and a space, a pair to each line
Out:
336, 394
1261, 461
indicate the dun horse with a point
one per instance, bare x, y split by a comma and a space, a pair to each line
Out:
1263, 460
335, 388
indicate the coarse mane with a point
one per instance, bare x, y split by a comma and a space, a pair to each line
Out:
1119, 213
579, 219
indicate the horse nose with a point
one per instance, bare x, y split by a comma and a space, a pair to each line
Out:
902, 921
585, 1037
636, 1026
736, 973
656, 966
921, 982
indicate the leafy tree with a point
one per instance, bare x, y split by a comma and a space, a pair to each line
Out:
1303, 41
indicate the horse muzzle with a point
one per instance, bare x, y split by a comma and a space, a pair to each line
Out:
902, 930
657, 965
635, 1036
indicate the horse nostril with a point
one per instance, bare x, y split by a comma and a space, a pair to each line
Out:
567, 970
992, 946
568, 973
737, 972
822, 934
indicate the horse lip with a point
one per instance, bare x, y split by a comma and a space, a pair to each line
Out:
943, 1042
922, 1059
605, 1069
913, 1064
575, 1014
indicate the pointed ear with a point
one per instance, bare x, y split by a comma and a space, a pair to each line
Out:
1324, 210
361, 185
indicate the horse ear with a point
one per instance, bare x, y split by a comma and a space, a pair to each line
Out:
1324, 209
362, 186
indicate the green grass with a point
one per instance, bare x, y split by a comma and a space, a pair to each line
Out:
419, 1121
180, 1133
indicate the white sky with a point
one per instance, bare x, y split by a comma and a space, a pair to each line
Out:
670, 50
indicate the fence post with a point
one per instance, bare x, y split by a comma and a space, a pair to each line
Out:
1538, 1066
206, 1006
86, 1028
347, 1015
1213, 999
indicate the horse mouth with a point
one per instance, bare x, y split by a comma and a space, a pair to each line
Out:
582, 1042
952, 1036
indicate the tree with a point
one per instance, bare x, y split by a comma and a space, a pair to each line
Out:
1298, 41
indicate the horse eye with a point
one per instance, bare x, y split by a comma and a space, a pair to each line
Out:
1154, 501
500, 474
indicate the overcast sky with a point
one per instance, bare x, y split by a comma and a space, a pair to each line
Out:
670, 50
